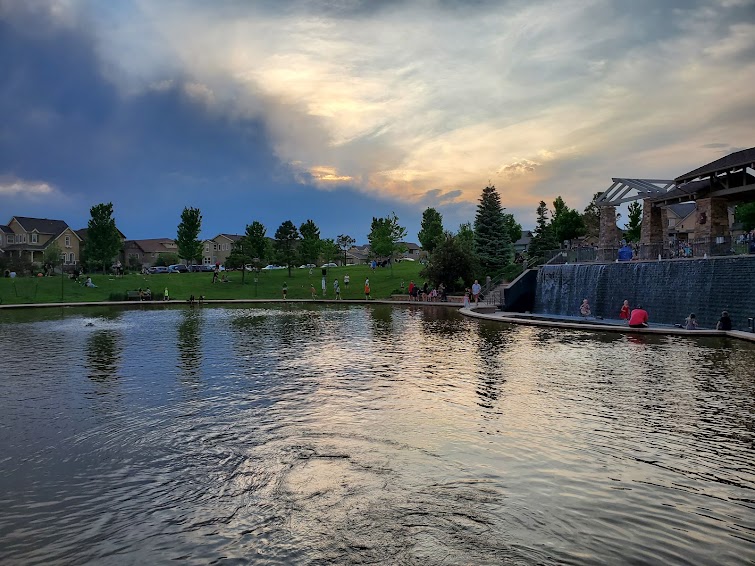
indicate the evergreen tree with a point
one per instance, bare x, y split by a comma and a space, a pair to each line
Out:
634, 226
386, 237
310, 245
286, 239
345, 242
431, 232
543, 239
187, 239
492, 238
103, 240
591, 217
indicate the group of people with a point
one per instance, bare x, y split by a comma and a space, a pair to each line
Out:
426, 293
336, 287
638, 317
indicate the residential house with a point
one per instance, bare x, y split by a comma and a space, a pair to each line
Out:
217, 249
28, 238
412, 250
146, 252
523, 243
681, 220
357, 255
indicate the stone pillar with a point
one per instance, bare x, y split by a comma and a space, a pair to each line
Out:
608, 240
664, 224
712, 222
652, 233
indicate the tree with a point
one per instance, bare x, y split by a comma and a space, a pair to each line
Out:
385, 237
543, 239
330, 250
431, 232
51, 257
634, 226
239, 256
345, 242
166, 258
187, 239
103, 239
591, 217
492, 238
451, 263
745, 213
567, 223
512, 227
256, 241
310, 245
286, 238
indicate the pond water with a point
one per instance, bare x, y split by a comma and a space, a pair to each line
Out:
368, 434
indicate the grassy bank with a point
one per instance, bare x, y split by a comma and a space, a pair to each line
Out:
383, 283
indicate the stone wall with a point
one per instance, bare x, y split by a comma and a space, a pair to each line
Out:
669, 290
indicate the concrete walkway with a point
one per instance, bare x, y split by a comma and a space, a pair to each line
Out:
600, 325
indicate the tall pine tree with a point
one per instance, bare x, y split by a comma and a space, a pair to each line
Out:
431, 233
103, 240
492, 237
543, 239
187, 238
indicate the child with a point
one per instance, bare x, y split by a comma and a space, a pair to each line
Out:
366, 289
624, 313
285, 290
584, 309
312, 290
691, 322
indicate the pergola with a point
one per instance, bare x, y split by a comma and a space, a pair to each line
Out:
712, 187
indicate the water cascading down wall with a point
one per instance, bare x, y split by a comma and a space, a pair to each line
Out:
668, 290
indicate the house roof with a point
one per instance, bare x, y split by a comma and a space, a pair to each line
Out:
152, 245
42, 225
4, 228
411, 246
683, 210
82, 233
736, 160
232, 237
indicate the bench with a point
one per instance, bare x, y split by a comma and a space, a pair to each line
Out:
138, 296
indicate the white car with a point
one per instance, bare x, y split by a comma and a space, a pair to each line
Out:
308, 266
272, 266
331, 264
405, 259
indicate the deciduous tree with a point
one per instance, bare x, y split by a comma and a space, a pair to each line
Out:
451, 263
345, 242
431, 230
386, 237
256, 241
310, 245
187, 238
286, 239
567, 223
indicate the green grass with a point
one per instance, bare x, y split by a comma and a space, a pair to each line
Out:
383, 283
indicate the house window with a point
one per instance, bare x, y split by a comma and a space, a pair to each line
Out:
34, 238
214, 247
207, 247
68, 241
71, 258
10, 239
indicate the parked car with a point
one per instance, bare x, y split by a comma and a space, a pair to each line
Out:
272, 266
195, 268
400, 259
307, 266
178, 268
158, 269
331, 264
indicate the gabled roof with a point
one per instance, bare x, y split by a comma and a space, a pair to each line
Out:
411, 246
736, 160
5, 229
525, 239
232, 237
153, 245
42, 225
82, 233
683, 210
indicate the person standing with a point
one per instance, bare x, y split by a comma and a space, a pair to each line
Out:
312, 290
166, 296
285, 290
724, 323
337, 289
638, 318
346, 281
367, 290
624, 312
411, 290
476, 288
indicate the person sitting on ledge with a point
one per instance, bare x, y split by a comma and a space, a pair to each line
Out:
584, 308
638, 318
691, 322
724, 323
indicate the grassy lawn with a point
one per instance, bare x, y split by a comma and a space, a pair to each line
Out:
383, 283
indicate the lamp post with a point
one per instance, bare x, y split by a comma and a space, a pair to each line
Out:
62, 276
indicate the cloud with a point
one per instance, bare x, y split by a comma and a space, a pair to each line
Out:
22, 188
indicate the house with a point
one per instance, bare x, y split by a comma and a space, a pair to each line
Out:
27, 239
146, 252
681, 220
523, 243
412, 250
216, 250
358, 255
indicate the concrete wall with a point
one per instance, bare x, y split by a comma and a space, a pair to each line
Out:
669, 290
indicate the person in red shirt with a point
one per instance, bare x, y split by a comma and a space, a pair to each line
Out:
638, 318
411, 289
624, 313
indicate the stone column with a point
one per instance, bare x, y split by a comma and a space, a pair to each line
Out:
652, 233
712, 221
608, 240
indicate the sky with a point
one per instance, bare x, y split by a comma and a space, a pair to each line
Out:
341, 110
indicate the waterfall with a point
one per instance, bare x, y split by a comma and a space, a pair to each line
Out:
668, 290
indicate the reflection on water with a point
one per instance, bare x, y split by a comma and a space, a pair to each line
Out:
310, 435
